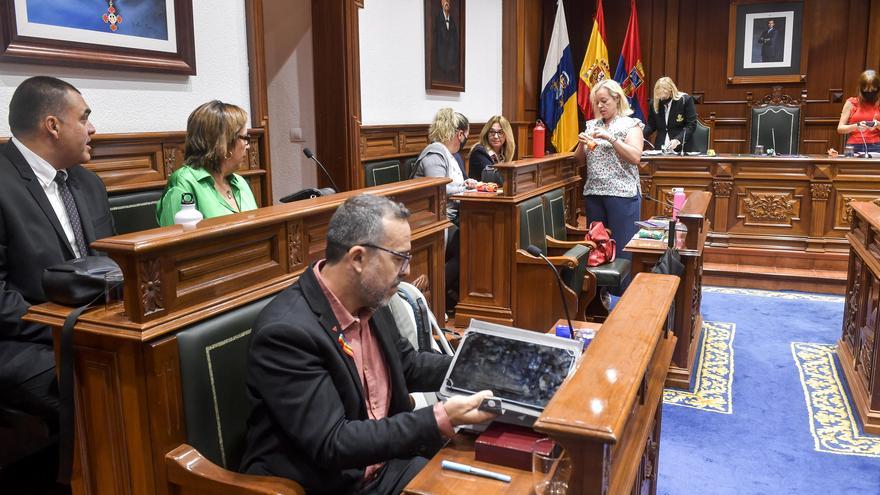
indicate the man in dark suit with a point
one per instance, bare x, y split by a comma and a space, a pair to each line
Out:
771, 43
445, 66
51, 132
329, 373
672, 115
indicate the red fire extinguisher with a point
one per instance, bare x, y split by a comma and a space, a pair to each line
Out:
538, 139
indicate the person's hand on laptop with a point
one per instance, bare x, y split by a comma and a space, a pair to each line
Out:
462, 409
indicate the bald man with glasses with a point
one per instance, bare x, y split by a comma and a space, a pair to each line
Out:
329, 374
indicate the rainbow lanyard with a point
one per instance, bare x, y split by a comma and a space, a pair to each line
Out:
346, 347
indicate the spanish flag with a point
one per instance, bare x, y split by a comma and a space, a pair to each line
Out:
595, 67
630, 72
559, 94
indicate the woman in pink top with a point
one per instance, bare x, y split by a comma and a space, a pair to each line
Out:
860, 114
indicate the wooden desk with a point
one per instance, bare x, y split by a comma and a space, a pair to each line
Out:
129, 409
688, 321
490, 289
859, 345
607, 414
777, 223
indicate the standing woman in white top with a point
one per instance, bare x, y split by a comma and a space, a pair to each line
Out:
448, 133
611, 145
672, 115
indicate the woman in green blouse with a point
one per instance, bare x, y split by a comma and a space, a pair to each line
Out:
216, 146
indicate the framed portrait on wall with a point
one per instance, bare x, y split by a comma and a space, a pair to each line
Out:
765, 42
148, 35
444, 45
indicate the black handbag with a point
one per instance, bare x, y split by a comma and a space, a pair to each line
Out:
79, 282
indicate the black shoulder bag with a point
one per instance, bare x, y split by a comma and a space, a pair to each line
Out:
79, 282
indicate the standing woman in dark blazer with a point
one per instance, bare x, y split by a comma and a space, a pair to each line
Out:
672, 115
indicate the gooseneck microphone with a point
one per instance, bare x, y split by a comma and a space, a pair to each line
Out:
683, 138
536, 252
773, 137
311, 156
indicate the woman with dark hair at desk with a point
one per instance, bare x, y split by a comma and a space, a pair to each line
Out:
859, 116
496, 146
672, 115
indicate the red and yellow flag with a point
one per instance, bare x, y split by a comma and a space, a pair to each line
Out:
595, 67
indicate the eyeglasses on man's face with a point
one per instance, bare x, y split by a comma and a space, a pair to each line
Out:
406, 257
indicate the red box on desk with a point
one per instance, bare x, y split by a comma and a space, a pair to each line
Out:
507, 445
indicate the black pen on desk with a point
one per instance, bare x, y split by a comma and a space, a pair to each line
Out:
464, 468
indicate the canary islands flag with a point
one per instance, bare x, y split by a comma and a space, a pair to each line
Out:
630, 73
558, 97
595, 66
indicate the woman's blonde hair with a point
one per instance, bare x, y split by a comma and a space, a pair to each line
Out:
445, 123
615, 91
211, 131
509, 142
668, 84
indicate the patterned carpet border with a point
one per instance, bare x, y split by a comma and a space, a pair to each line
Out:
791, 296
713, 385
832, 424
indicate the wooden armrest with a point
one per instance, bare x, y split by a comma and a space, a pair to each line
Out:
193, 473
552, 242
571, 230
558, 261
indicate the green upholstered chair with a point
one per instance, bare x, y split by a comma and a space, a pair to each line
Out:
213, 358
570, 258
777, 115
407, 167
609, 276
133, 212
384, 172
701, 141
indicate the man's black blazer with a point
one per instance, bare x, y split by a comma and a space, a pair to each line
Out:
308, 419
31, 238
682, 115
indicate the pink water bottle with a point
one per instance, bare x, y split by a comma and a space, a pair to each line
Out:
678, 199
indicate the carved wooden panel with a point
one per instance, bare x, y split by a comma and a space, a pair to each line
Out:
128, 164
203, 270
843, 210
768, 207
295, 245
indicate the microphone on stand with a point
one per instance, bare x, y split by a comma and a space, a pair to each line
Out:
773, 137
311, 156
865, 142
536, 252
683, 138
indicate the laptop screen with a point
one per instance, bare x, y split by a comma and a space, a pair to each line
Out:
517, 371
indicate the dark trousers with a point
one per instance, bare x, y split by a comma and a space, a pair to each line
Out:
27, 380
394, 476
618, 214
453, 263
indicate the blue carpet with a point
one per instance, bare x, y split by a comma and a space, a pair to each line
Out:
765, 446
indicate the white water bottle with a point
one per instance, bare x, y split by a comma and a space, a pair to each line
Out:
678, 199
188, 216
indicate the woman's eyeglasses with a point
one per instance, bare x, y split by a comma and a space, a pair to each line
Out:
244, 137
493, 132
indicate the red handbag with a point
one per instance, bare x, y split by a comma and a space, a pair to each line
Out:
606, 247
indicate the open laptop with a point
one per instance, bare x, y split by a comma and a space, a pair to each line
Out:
523, 369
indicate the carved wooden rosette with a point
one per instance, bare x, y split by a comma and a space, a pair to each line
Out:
170, 155
150, 276
722, 188
820, 191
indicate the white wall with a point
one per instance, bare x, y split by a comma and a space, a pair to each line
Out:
125, 101
392, 43
288, 28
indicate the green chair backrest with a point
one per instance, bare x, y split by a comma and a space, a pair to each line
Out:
213, 358
133, 212
384, 172
784, 121
531, 224
554, 214
699, 142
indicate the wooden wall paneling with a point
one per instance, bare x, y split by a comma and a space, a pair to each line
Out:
872, 41
167, 421
259, 90
335, 34
520, 87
